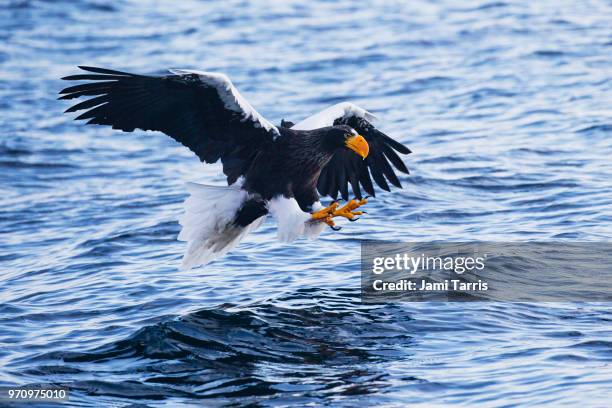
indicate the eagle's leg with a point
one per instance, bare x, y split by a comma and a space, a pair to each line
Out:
326, 214
347, 211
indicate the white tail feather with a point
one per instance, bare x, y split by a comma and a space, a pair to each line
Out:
208, 222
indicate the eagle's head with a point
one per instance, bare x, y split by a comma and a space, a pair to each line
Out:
345, 137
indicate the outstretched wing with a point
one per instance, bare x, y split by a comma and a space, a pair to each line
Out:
346, 167
201, 110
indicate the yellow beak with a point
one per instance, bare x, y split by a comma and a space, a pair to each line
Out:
359, 145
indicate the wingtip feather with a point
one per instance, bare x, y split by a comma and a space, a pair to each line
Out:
103, 70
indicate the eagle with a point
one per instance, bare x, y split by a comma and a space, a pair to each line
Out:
281, 170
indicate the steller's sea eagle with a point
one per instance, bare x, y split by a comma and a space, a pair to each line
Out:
281, 170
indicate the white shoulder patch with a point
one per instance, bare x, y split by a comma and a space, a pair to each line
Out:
327, 116
230, 96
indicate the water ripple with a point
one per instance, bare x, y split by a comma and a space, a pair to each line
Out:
504, 104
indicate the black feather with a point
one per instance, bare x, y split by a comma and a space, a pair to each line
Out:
91, 77
394, 158
105, 71
184, 107
347, 168
89, 103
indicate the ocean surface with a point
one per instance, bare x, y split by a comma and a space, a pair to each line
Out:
506, 106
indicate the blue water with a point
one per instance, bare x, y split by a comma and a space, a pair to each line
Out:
505, 105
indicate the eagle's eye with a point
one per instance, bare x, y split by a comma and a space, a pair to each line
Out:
351, 133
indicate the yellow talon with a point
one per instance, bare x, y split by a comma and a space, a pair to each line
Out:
325, 212
328, 220
347, 211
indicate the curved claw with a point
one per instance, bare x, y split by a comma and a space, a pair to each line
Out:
353, 219
335, 228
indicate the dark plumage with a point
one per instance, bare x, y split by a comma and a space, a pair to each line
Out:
192, 113
205, 112
181, 106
